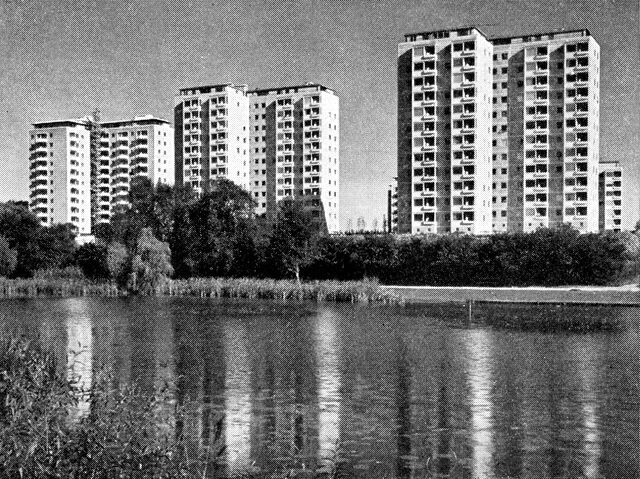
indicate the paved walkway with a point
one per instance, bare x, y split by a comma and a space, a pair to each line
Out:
605, 295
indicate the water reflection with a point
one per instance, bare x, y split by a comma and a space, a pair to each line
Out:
328, 374
384, 391
481, 400
237, 393
79, 349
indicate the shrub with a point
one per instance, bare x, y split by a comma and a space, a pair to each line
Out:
122, 435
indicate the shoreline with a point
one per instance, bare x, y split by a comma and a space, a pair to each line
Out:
628, 295
339, 291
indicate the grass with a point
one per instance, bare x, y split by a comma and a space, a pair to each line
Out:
248, 288
19, 288
342, 291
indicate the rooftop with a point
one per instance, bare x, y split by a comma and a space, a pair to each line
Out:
469, 30
219, 88
61, 123
434, 34
138, 120
541, 36
290, 89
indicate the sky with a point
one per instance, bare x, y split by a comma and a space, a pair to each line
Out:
64, 58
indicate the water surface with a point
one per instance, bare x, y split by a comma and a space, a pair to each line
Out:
382, 391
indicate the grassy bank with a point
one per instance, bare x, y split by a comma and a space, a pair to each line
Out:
248, 288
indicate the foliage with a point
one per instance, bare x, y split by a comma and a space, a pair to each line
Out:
150, 265
292, 242
91, 258
117, 262
545, 257
221, 229
121, 436
8, 258
37, 247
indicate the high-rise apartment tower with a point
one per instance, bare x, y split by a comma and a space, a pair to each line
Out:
497, 134
59, 173
276, 143
140, 147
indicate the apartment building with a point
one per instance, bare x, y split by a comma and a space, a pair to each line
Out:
534, 158
139, 147
610, 196
444, 137
59, 173
295, 149
546, 131
276, 143
211, 135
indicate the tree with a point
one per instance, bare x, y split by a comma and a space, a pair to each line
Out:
292, 241
8, 258
150, 264
37, 247
117, 262
91, 258
219, 237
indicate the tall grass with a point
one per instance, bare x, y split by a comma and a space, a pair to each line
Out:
248, 288
43, 286
344, 291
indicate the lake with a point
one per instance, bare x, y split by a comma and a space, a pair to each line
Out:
381, 391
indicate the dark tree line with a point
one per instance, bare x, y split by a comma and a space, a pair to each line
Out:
170, 231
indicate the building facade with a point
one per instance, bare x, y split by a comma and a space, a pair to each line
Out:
71, 184
295, 150
59, 173
610, 196
140, 147
211, 135
497, 135
276, 143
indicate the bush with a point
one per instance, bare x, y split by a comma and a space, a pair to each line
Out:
122, 435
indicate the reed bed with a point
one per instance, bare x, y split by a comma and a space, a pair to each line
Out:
367, 291
57, 287
249, 288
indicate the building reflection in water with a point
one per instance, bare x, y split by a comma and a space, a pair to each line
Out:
79, 349
587, 373
237, 395
329, 382
479, 377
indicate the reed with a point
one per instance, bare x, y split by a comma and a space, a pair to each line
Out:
250, 288
58, 287
367, 291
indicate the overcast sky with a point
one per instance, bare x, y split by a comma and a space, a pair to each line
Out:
63, 58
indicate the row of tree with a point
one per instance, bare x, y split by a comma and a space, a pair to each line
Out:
171, 231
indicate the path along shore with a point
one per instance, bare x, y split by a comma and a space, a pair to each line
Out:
605, 295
